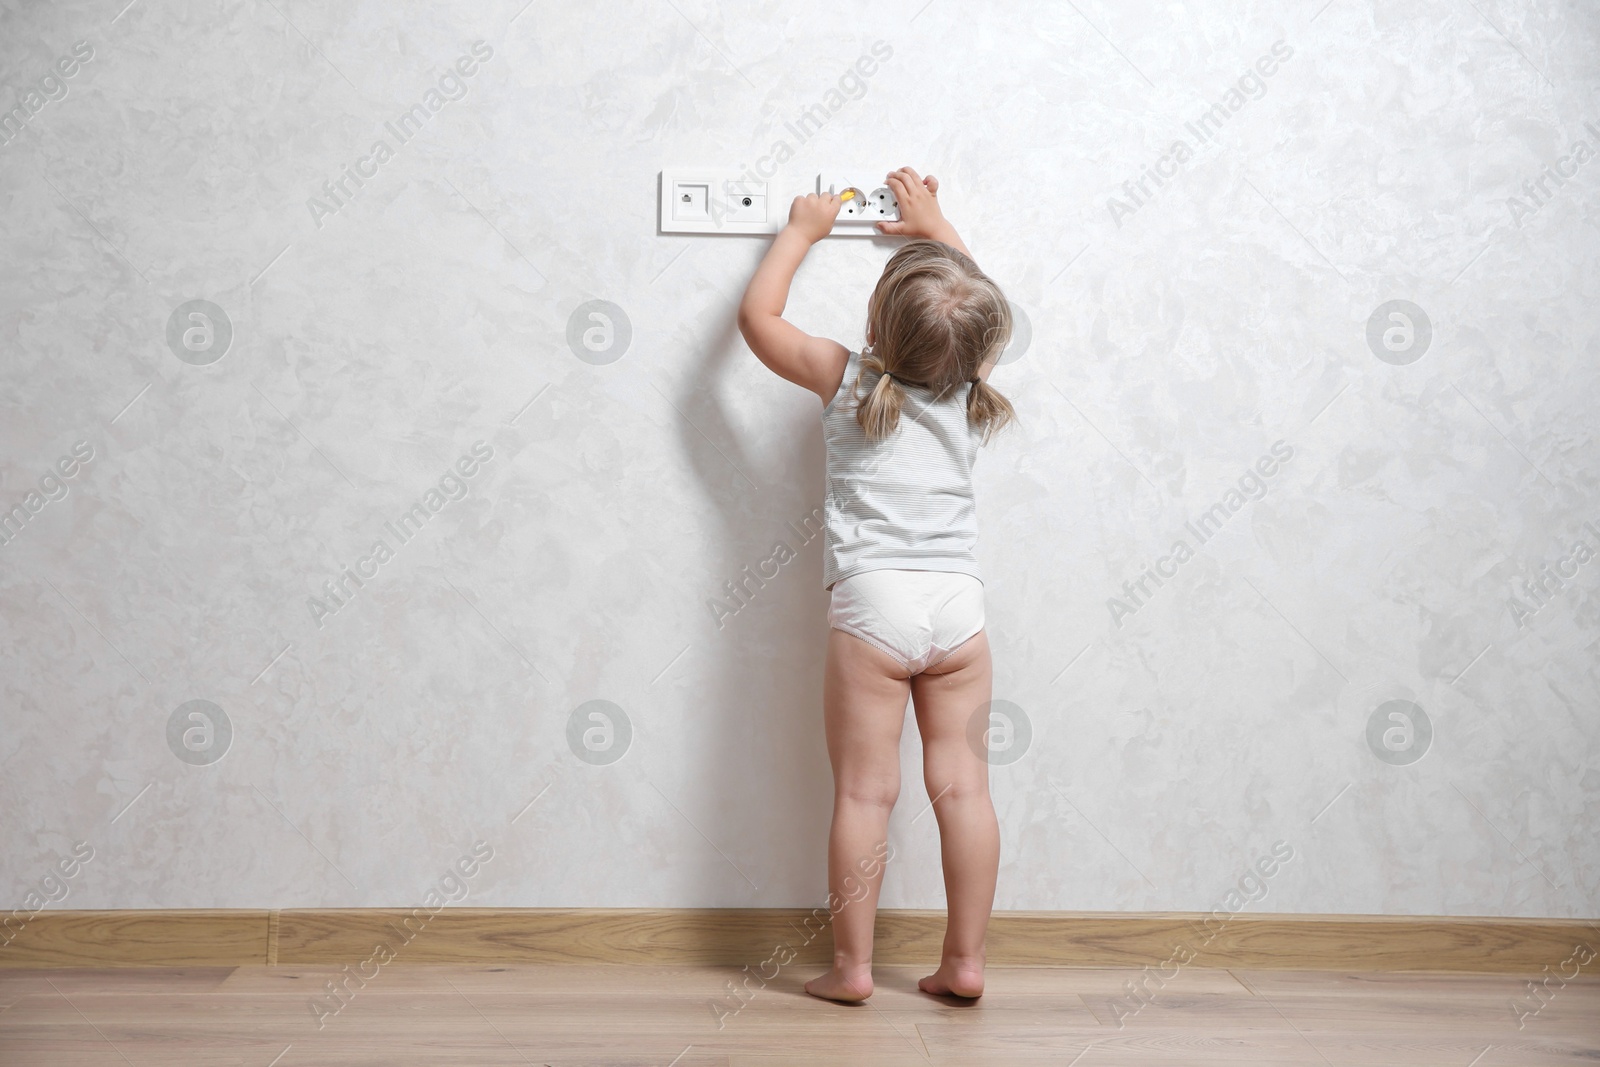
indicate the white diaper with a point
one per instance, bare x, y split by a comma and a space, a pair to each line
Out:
918, 617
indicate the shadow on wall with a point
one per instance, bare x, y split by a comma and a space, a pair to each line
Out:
766, 761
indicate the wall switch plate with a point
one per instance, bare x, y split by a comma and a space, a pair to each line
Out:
713, 201
710, 200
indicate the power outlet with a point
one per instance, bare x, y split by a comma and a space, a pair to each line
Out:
872, 203
708, 201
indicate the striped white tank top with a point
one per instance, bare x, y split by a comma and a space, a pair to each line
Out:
905, 502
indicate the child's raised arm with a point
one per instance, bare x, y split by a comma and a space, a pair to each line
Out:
918, 200
813, 362
920, 216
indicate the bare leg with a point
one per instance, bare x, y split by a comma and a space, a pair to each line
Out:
864, 706
946, 697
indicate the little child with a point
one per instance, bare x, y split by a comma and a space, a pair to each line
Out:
902, 421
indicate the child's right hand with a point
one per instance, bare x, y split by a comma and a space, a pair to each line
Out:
919, 207
812, 215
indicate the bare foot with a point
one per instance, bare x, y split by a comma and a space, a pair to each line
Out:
955, 978
836, 986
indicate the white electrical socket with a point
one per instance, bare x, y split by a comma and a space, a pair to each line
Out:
873, 203
708, 200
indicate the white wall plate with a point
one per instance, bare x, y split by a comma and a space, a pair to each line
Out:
705, 200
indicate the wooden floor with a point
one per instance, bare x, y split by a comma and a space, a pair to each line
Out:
567, 1016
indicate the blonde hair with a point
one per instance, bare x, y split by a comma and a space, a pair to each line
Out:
935, 319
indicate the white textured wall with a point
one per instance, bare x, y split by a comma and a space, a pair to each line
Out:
1175, 339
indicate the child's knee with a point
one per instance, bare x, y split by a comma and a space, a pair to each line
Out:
956, 788
871, 792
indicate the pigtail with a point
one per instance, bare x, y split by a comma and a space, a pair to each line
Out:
879, 413
988, 409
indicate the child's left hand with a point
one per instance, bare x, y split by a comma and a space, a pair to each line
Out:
812, 215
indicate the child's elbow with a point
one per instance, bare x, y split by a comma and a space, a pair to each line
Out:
750, 323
